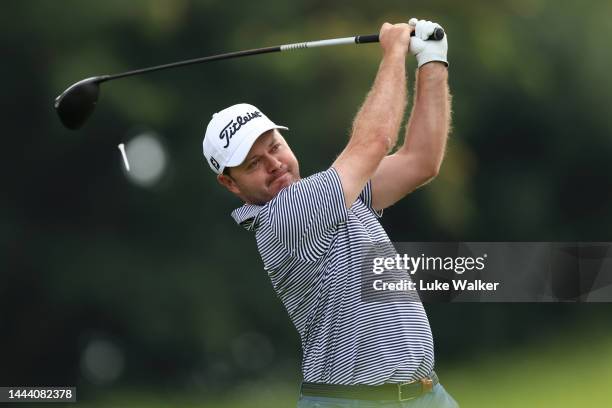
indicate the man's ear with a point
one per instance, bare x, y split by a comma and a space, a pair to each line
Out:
229, 183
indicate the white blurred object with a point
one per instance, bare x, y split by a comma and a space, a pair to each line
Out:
125, 160
148, 159
102, 362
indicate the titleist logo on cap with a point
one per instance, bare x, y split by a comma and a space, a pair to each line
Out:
234, 126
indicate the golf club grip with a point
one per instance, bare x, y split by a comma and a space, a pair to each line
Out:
437, 35
362, 39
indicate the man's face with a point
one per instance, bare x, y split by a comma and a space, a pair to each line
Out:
269, 167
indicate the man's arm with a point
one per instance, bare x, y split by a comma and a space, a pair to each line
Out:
377, 123
419, 159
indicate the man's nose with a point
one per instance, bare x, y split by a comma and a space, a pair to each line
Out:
273, 164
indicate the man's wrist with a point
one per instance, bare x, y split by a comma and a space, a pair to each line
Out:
432, 72
395, 54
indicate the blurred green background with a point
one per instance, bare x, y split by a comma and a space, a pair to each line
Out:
139, 288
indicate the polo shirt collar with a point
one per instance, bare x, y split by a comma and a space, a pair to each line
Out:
247, 216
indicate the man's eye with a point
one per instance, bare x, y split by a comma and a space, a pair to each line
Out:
253, 164
275, 147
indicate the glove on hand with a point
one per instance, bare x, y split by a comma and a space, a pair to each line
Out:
427, 50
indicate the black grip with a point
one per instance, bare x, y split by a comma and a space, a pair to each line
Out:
362, 39
437, 35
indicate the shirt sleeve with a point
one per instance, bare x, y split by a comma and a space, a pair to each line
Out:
366, 197
305, 216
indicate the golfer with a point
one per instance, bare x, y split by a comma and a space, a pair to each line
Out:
312, 232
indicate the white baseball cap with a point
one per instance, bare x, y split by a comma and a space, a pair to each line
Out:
231, 133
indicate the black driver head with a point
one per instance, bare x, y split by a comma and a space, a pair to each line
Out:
77, 103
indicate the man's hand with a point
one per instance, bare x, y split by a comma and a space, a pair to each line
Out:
395, 38
427, 50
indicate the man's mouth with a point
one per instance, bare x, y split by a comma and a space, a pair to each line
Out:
280, 177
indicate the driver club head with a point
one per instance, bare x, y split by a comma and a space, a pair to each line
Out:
77, 103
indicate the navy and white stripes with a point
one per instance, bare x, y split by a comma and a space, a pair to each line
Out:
312, 248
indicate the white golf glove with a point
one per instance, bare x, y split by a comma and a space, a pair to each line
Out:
427, 50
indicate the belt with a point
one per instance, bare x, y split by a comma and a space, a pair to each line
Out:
392, 391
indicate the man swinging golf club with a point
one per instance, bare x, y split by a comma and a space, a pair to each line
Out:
311, 232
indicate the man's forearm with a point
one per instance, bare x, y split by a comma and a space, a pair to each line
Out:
429, 122
381, 114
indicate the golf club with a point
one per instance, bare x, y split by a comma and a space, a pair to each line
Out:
77, 102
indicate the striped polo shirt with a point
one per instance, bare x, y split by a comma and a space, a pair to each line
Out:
312, 248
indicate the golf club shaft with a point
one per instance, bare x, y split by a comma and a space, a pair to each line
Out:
256, 51
359, 39
193, 61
